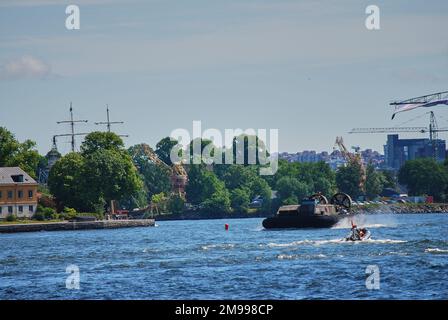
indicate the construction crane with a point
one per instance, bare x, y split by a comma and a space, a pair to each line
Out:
433, 129
354, 159
179, 176
429, 100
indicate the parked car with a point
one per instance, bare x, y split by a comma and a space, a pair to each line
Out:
257, 202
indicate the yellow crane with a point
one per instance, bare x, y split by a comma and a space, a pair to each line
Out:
179, 176
353, 158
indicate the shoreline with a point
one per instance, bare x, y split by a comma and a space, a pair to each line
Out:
67, 226
396, 208
206, 216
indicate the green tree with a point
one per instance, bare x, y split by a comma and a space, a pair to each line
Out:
102, 172
101, 141
292, 190
374, 182
155, 177
16, 154
316, 176
110, 175
240, 199
219, 202
259, 187
206, 189
424, 177
389, 179
176, 204
201, 184
163, 149
242, 177
8, 146
347, 179
249, 149
66, 181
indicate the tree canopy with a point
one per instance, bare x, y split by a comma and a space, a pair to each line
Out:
156, 178
102, 172
424, 177
16, 154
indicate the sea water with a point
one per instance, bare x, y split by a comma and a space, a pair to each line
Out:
201, 260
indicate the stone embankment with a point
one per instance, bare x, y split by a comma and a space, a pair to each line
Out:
84, 225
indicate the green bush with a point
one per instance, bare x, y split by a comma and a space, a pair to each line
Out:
11, 217
56, 216
69, 213
176, 204
39, 216
240, 199
48, 213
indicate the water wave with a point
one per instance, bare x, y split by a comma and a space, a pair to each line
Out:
367, 225
218, 246
332, 241
435, 250
298, 256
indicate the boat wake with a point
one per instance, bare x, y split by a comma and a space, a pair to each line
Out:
333, 241
374, 221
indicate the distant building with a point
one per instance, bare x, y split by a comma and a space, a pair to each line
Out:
18, 193
334, 159
398, 151
52, 156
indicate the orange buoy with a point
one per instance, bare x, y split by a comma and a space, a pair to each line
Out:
226, 226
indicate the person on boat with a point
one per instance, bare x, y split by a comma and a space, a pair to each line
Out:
362, 232
356, 234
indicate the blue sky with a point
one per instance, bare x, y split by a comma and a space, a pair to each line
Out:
308, 68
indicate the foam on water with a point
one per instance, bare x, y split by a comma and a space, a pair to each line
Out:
297, 256
435, 250
333, 241
218, 246
366, 221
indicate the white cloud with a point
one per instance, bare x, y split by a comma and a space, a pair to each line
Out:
25, 67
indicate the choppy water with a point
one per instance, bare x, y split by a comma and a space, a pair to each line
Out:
200, 260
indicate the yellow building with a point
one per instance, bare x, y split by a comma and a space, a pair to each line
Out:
18, 193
